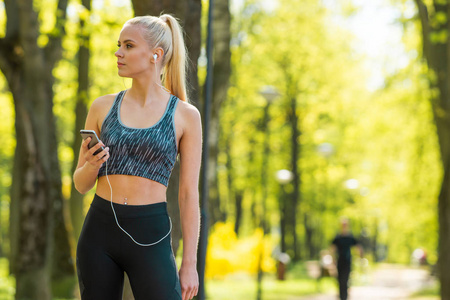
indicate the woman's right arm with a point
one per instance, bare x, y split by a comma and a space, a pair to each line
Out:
85, 175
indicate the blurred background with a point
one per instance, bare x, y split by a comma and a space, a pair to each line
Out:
320, 110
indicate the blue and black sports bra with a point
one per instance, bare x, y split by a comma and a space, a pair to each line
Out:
146, 152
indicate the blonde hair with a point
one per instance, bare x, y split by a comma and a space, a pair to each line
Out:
166, 32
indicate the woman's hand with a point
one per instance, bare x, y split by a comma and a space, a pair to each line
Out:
94, 161
188, 281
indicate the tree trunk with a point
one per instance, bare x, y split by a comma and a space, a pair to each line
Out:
238, 196
76, 199
282, 201
36, 197
221, 75
295, 136
437, 55
264, 167
189, 13
235, 194
309, 236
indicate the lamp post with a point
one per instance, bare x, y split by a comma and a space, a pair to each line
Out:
352, 184
325, 150
283, 177
270, 94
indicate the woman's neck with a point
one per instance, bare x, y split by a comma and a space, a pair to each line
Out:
146, 92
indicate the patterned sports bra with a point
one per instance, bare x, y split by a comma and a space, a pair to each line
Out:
145, 152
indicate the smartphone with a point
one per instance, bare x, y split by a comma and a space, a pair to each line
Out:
94, 139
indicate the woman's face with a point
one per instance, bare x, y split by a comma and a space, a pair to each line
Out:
134, 57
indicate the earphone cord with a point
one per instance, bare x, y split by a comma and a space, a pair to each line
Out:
162, 87
117, 222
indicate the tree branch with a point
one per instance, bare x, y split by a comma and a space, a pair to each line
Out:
426, 29
12, 19
10, 54
53, 49
9, 49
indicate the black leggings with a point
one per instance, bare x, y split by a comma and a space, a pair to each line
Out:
105, 252
343, 269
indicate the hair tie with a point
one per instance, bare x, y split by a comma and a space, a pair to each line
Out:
165, 19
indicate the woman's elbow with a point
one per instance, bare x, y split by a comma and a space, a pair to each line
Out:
188, 194
79, 188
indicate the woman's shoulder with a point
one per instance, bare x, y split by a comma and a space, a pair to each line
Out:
99, 109
187, 110
103, 102
188, 117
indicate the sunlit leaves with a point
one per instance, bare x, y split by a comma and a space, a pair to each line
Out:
439, 37
384, 139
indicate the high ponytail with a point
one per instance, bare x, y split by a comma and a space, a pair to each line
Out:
166, 32
174, 74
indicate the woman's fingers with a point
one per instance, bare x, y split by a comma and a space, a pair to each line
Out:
196, 291
95, 148
102, 153
189, 292
184, 293
86, 143
104, 157
95, 159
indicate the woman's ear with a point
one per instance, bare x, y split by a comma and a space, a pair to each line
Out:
157, 54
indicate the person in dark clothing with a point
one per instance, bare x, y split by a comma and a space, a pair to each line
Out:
342, 244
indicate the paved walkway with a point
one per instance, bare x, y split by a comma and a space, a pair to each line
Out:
388, 282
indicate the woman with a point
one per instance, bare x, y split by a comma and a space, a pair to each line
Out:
142, 131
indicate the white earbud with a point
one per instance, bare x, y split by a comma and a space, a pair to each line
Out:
155, 56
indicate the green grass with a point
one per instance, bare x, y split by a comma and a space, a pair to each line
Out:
237, 286
243, 286
431, 293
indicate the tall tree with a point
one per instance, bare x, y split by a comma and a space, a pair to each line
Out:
221, 74
189, 13
36, 197
435, 20
76, 199
294, 120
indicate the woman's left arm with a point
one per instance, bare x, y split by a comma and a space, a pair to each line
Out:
190, 148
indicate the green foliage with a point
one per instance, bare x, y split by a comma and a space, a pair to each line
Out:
385, 139
7, 136
7, 282
289, 54
104, 24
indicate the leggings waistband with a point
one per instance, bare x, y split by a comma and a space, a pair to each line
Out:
129, 211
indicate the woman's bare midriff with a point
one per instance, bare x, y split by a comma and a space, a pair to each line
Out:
133, 190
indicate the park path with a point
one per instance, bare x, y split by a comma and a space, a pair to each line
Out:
388, 282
